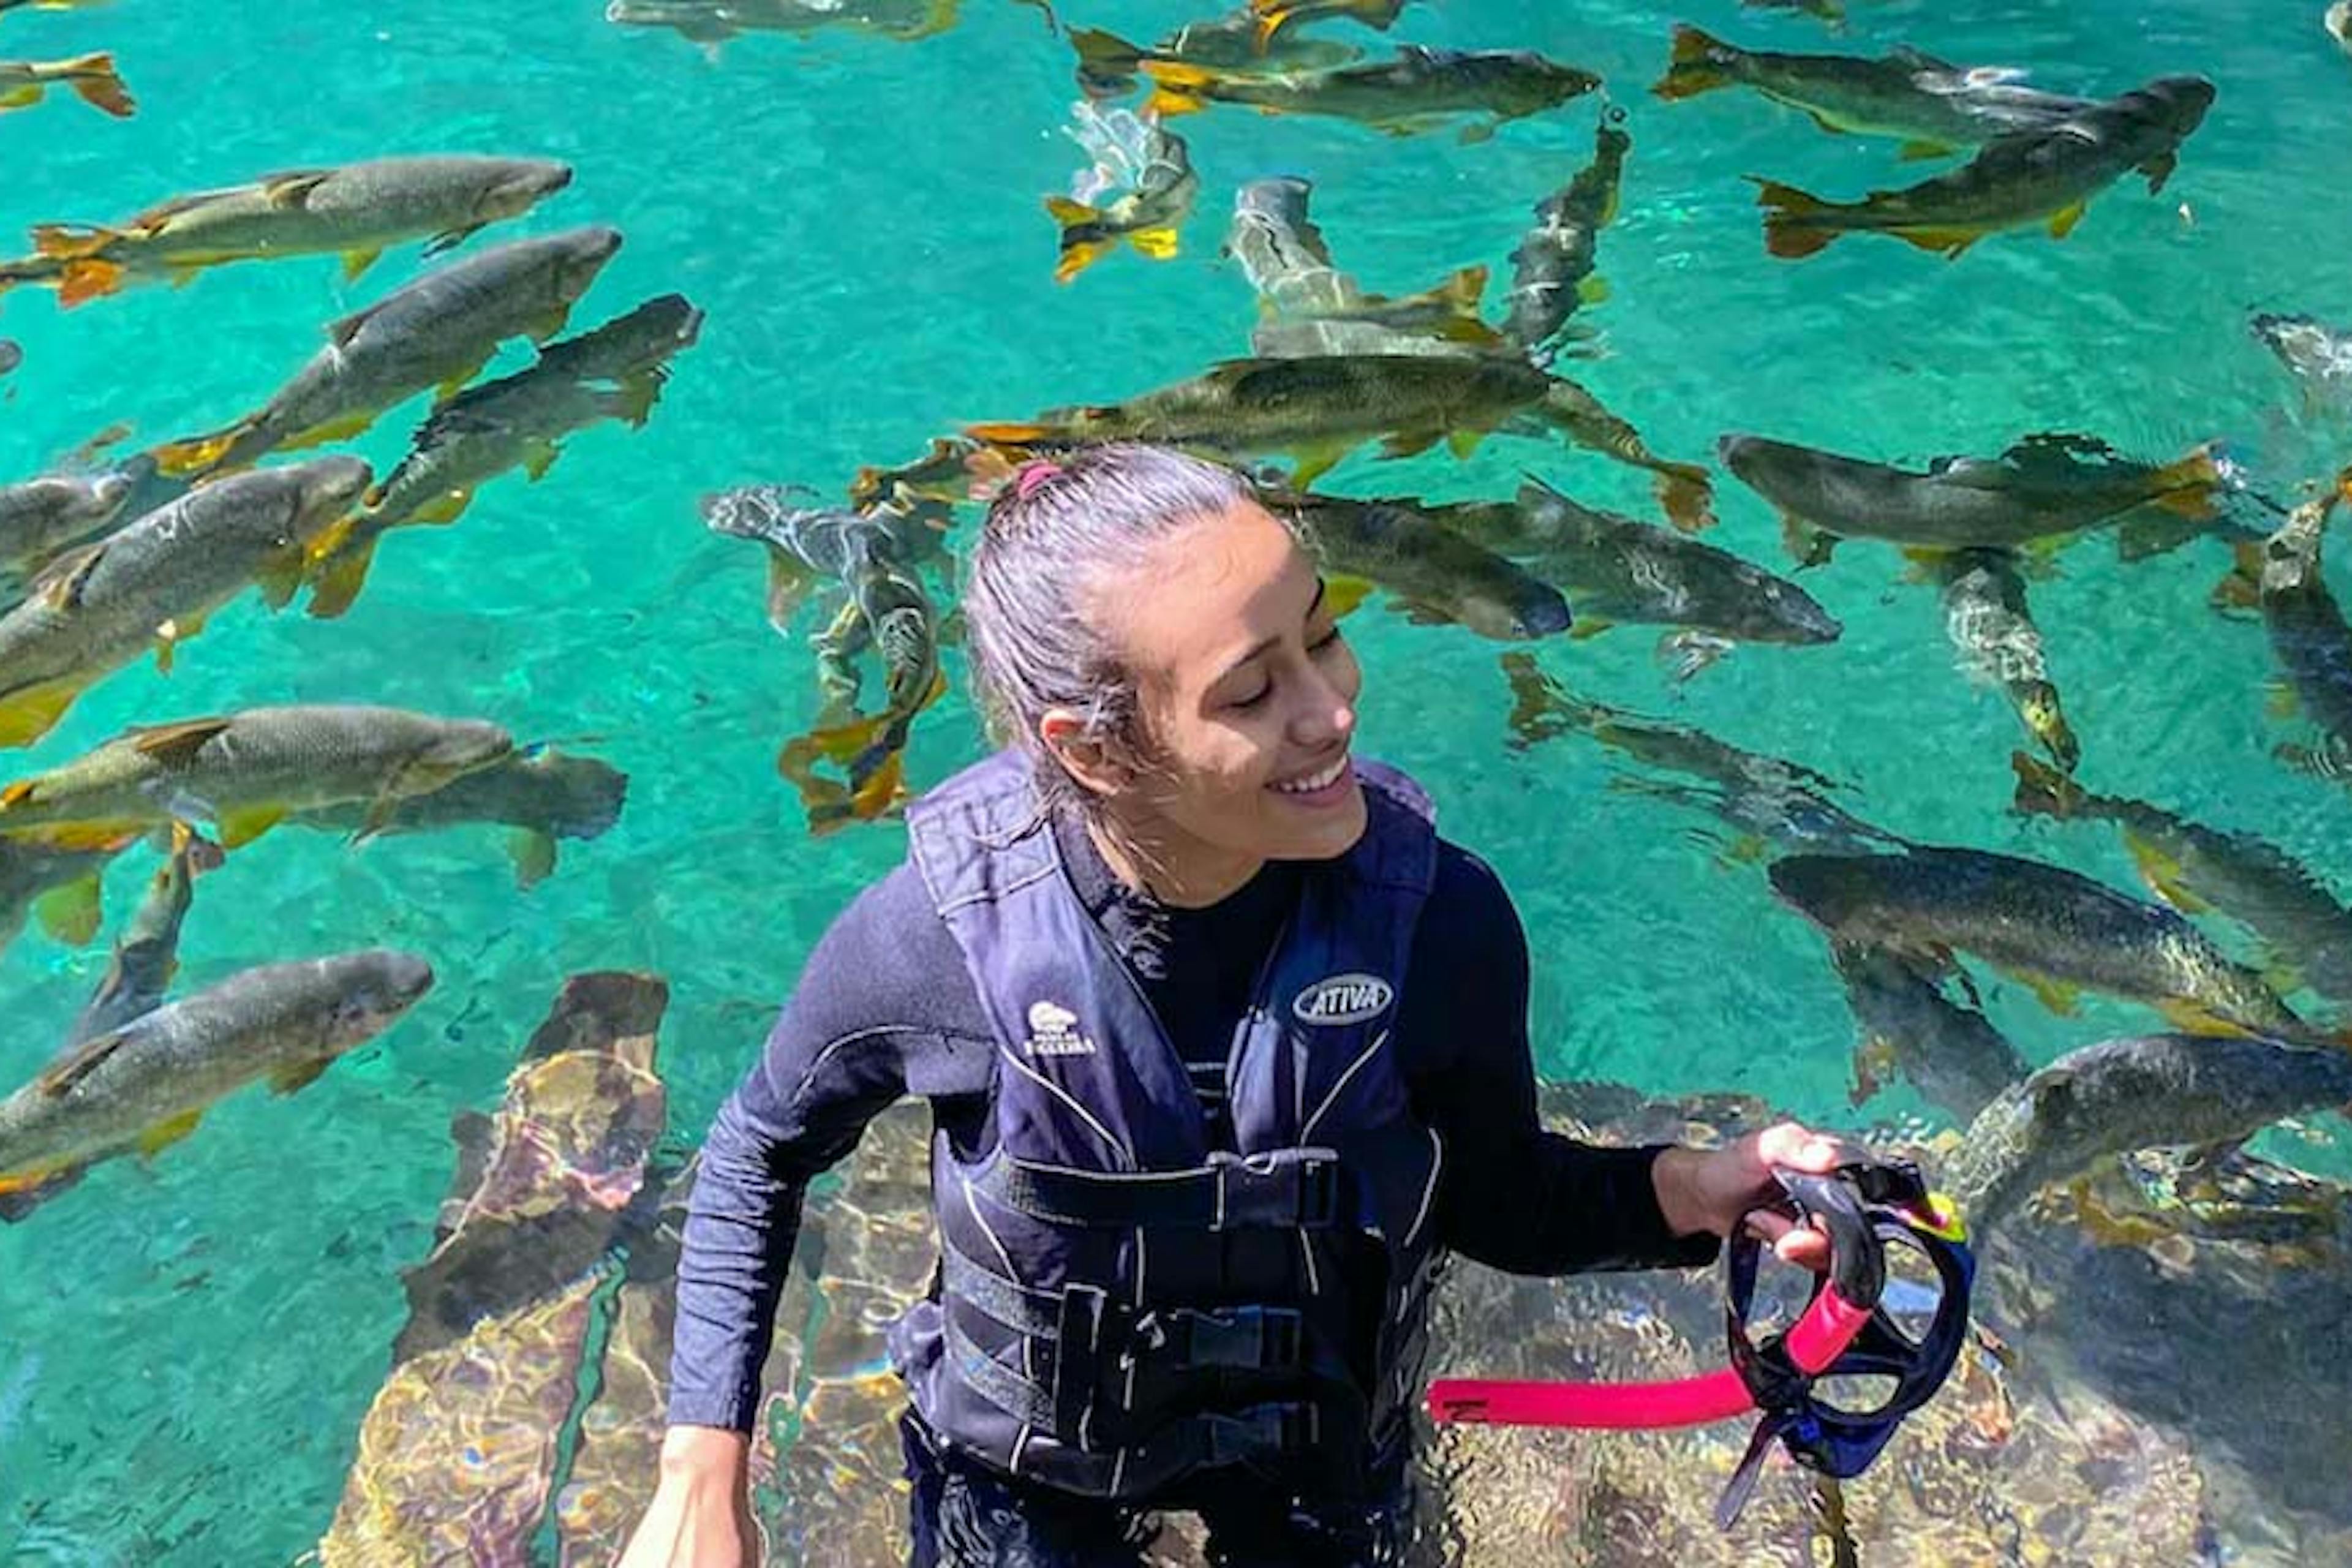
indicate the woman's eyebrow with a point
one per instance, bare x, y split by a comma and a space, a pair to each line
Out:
1264, 644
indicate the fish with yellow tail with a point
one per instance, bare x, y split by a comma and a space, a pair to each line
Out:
1109, 65
539, 795
712, 23
2309, 636
1552, 267
1433, 573
147, 950
2058, 932
614, 372
1417, 90
1313, 308
153, 583
144, 1086
1319, 407
2305, 932
246, 772
2044, 175
1990, 626
355, 211
2044, 488
90, 77
429, 335
1932, 106
1149, 167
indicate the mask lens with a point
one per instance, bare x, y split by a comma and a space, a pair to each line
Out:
1913, 1293
1859, 1393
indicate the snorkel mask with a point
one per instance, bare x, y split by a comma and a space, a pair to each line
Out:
1850, 1337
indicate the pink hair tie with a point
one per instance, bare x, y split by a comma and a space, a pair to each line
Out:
1032, 475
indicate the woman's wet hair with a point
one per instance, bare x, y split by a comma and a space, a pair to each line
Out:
1057, 530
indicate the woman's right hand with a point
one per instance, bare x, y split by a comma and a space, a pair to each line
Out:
701, 1516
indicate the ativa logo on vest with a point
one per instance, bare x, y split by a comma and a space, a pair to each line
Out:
1054, 1032
1343, 999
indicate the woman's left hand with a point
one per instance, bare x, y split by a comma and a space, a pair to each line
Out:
1720, 1190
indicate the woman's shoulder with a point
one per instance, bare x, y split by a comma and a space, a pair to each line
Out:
888, 958
1466, 887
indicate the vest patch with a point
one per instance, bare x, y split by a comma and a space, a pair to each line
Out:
1054, 1032
1343, 999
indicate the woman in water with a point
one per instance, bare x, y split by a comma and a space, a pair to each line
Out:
1225, 1047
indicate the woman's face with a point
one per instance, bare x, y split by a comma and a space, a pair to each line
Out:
1247, 692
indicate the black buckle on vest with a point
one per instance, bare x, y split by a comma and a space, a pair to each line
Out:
1291, 1187
1239, 1339
1262, 1432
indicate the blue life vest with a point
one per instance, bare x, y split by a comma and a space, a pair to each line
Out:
1119, 1304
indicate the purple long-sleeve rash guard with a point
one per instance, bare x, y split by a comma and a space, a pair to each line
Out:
885, 1009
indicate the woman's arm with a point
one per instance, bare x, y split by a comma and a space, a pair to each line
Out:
1512, 1194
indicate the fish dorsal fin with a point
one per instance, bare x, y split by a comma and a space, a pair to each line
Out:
1920, 59
340, 333
292, 188
175, 745
77, 1062
59, 586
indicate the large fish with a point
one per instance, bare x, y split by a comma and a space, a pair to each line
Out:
1413, 91
544, 1184
247, 772
2193, 868
2339, 22
1616, 569
1320, 407
54, 884
2045, 487
2317, 355
516, 422
434, 332
42, 519
1992, 628
2052, 928
1951, 1053
712, 23
1237, 41
153, 582
1149, 167
540, 794
1932, 106
1313, 308
1432, 572
1552, 266
1771, 801
92, 79
2046, 174
147, 951
2308, 634
146, 1085
353, 210
2119, 1095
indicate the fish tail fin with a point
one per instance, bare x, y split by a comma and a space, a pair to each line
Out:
1175, 88
1787, 234
20, 1199
198, 455
1698, 65
881, 790
91, 278
2042, 790
848, 742
1156, 243
1464, 288
337, 575
1079, 251
96, 83
71, 242
2190, 485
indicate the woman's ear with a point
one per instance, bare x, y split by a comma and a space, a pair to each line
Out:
1092, 762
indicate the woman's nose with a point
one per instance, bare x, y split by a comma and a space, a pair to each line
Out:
1325, 714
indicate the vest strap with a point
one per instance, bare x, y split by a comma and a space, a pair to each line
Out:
1289, 1189
1264, 1433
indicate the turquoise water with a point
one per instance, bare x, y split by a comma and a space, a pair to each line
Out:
186, 1348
